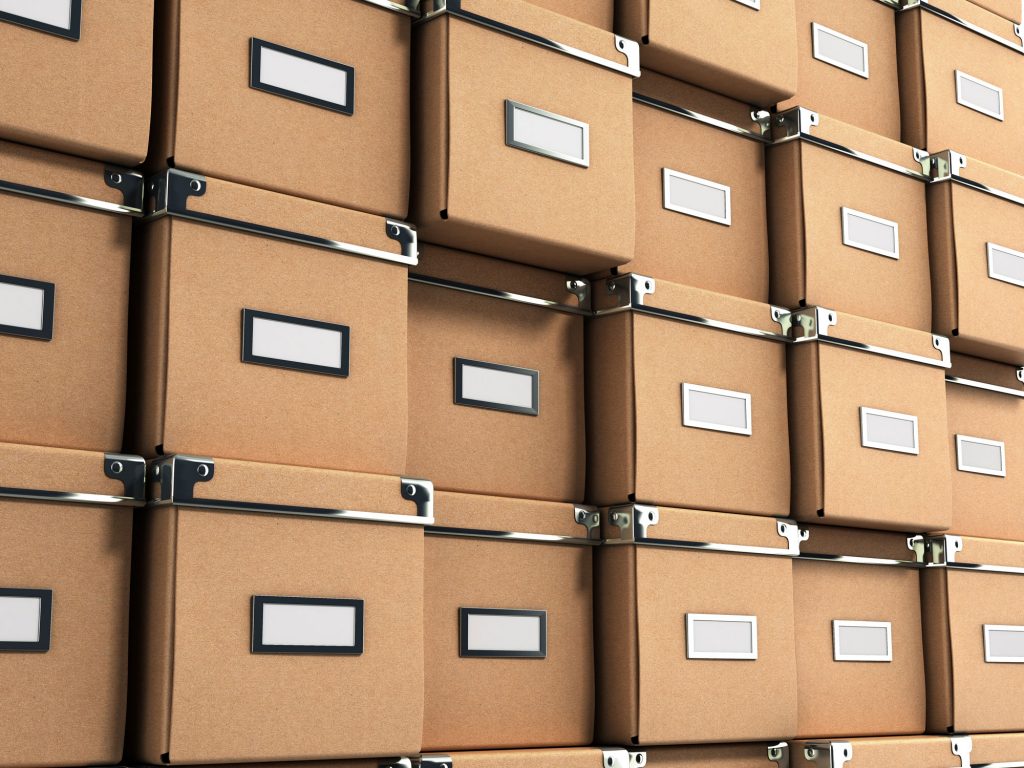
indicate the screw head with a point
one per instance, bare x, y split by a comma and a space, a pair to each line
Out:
195, 185
410, 490
115, 178
203, 470
116, 467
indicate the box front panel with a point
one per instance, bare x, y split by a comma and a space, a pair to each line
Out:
600, 13
63, 632
509, 644
239, 694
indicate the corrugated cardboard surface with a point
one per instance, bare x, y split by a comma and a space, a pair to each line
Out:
477, 450
66, 706
710, 756
530, 758
871, 103
996, 748
215, 404
89, 97
600, 13
678, 93
524, 207
68, 392
1008, 9
923, 751
501, 703
756, 62
227, 129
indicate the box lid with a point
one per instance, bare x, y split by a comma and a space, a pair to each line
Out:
919, 751
986, 374
954, 167
493, 517
976, 17
689, 101
855, 545
751, 755
968, 553
63, 476
572, 757
997, 748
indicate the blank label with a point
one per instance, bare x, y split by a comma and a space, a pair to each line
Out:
292, 342
546, 133
26, 307
840, 50
307, 625
502, 633
25, 619
301, 76
1004, 644
888, 431
698, 197
717, 636
861, 640
721, 410
978, 95
980, 456
497, 387
1005, 264
59, 17
871, 233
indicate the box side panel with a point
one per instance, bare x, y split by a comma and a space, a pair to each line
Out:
616, 642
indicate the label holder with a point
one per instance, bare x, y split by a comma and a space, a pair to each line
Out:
992, 251
990, 656
838, 625
962, 100
258, 646
865, 416
42, 644
249, 316
817, 30
462, 363
72, 32
667, 175
582, 160
692, 619
44, 333
466, 652
850, 241
256, 48
963, 466
692, 420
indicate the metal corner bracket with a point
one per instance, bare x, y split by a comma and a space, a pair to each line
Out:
578, 287
962, 747
618, 758
941, 166
589, 518
129, 470
779, 754
421, 493
829, 754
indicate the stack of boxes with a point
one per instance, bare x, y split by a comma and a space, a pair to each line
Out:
505, 383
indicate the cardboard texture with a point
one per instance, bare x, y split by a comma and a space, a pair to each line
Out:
984, 504
924, 751
1008, 9
871, 102
970, 694
212, 121
837, 696
712, 756
638, 447
808, 187
756, 62
65, 706
989, 748
194, 393
201, 695
931, 51
498, 703
68, 392
524, 206
599, 13
837, 480
728, 258
982, 315
89, 97
482, 449
529, 758
646, 682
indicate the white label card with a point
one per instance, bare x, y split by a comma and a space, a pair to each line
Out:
839, 50
497, 387
307, 625
301, 76
502, 633
861, 640
58, 16
697, 197
871, 233
1005, 264
26, 307
546, 133
720, 636
1004, 644
978, 95
980, 456
888, 431
720, 410
25, 619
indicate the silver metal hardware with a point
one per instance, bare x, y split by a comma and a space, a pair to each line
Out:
779, 754
170, 190
407, 8
589, 518
394, 762
130, 184
888, 431
628, 49
762, 118
943, 166
846, 632
432, 761
829, 46
943, 552
829, 754
700, 198
129, 470
871, 233
616, 758
577, 286
989, 456
637, 759
720, 640
986, 386
962, 746
547, 134
930, 7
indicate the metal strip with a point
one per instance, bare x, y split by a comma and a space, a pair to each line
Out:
628, 48
698, 117
986, 387
407, 8
926, 5
942, 552
479, 533
172, 189
129, 470
131, 184
578, 286
948, 166
855, 560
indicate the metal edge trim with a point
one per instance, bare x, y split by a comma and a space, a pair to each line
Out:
438, 282
700, 118
406, 8
78, 201
857, 560
476, 533
854, 154
985, 386
220, 505
929, 7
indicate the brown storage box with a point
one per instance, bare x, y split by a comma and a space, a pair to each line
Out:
695, 627
975, 218
578, 757
496, 377
273, 623
960, 84
775, 755
523, 148
745, 49
973, 604
509, 627
308, 98
995, 748
65, 232
700, 190
867, 407
847, 70
66, 540
685, 389
847, 221
986, 424
83, 82
262, 337
599, 13
858, 613
919, 751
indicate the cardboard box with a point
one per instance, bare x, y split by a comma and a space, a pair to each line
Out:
262, 336
695, 627
272, 618
868, 423
989, 748
858, 610
66, 231
975, 215
744, 49
67, 539
1008, 9
686, 388
599, 13
496, 377
923, 751
959, 83
523, 146
509, 627
310, 99
985, 405
771, 755
973, 603
848, 225
574, 757
700, 189
84, 77
847, 70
